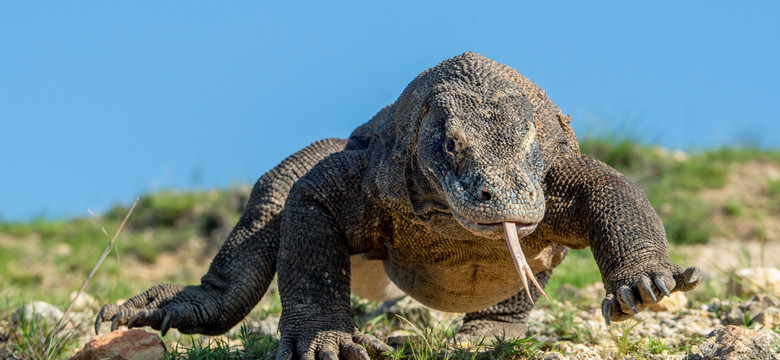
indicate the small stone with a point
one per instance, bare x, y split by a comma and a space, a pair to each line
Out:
735, 342
735, 316
760, 303
409, 309
554, 356
756, 280
677, 301
399, 337
38, 310
83, 302
123, 345
268, 326
579, 349
767, 318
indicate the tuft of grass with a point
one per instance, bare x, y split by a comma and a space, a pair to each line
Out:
624, 342
430, 343
36, 338
734, 207
253, 346
561, 319
656, 346
503, 347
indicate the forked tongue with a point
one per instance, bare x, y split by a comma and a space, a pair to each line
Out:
510, 230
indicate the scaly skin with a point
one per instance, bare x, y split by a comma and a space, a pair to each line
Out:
429, 186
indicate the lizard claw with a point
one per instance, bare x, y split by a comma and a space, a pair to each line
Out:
659, 282
164, 307
373, 345
115, 322
646, 289
329, 344
606, 304
627, 298
166, 322
99, 320
690, 278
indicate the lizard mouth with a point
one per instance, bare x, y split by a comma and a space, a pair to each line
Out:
519, 225
495, 230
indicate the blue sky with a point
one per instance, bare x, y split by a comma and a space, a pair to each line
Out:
103, 101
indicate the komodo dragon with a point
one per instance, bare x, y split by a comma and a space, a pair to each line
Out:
418, 201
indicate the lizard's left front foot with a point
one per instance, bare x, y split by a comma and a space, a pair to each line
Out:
633, 291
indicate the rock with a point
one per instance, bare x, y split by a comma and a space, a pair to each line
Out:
83, 302
767, 318
411, 310
735, 316
398, 338
38, 310
755, 280
123, 345
761, 309
677, 301
761, 303
268, 326
734, 342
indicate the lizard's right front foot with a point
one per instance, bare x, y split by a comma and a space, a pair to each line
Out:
191, 309
327, 339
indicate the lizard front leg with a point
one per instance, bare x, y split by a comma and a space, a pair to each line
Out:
314, 273
239, 274
591, 204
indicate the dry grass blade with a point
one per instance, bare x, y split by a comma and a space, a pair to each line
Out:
91, 274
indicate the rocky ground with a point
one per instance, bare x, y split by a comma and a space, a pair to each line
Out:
568, 329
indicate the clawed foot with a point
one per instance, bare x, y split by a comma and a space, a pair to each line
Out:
331, 345
627, 300
191, 309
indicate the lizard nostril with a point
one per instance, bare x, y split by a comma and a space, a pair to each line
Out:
531, 194
485, 195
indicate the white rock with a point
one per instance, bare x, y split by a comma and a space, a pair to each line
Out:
677, 301
40, 310
756, 280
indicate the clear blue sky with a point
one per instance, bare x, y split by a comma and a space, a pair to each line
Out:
102, 101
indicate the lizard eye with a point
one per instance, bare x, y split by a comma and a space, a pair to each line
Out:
450, 146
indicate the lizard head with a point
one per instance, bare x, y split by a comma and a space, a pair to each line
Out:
481, 148
464, 131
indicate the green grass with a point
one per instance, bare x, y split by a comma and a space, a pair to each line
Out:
578, 269
253, 346
29, 336
673, 181
625, 343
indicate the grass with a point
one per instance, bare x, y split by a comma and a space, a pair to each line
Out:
625, 343
34, 337
252, 346
577, 270
673, 181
